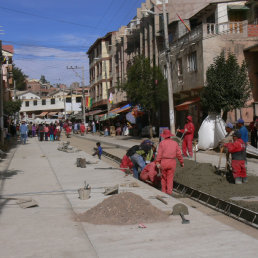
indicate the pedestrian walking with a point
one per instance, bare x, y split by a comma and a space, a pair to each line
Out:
33, 130
168, 151
23, 132
188, 135
46, 132
51, 132
41, 132
253, 131
243, 131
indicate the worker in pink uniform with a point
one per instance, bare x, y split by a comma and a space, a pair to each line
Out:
168, 151
150, 173
237, 150
188, 133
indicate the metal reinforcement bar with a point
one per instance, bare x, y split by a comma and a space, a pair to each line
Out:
230, 209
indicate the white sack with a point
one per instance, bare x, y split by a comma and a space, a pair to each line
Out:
211, 132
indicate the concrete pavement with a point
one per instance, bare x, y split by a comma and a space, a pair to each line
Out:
49, 176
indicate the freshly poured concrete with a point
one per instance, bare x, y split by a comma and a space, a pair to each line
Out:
51, 229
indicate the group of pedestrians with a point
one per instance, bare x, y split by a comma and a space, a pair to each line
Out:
43, 131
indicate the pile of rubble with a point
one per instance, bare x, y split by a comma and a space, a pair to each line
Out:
65, 146
123, 209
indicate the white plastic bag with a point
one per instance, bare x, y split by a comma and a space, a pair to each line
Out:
211, 132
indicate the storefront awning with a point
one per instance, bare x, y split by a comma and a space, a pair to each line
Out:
52, 113
185, 105
43, 114
121, 109
94, 112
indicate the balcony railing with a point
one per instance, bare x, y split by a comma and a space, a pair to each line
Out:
226, 28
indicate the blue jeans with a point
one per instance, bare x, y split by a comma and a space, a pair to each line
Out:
23, 138
138, 162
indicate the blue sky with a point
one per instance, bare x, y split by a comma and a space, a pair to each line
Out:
49, 35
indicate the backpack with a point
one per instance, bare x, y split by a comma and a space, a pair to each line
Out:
132, 150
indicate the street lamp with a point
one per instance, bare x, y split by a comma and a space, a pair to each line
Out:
167, 52
105, 68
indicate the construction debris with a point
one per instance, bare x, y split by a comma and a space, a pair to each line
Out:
81, 163
123, 209
111, 190
65, 146
160, 198
84, 193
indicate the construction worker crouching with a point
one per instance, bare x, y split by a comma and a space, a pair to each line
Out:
188, 134
237, 150
168, 151
150, 174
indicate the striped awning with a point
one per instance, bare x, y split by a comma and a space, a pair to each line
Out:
43, 114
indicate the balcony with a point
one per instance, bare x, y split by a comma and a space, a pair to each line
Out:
206, 30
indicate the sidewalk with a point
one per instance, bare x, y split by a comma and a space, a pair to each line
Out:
38, 170
125, 142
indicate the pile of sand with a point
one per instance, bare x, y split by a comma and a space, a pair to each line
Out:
123, 209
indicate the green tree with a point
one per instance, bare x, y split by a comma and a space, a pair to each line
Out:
145, 85
43, 79
227, 85
20, 78
12, 107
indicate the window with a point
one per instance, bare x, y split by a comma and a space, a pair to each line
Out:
53, 101
192, 62
35, 102
68, 100
179, 67
78, 99
27, 103
43, 102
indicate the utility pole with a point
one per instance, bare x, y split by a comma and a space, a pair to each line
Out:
1, 98
83, 89
170, 87
64, 98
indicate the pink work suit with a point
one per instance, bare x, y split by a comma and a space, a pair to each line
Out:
126, 163
188, 138
237, 148
150, 173
168, 151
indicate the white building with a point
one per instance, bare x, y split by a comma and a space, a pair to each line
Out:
54, 105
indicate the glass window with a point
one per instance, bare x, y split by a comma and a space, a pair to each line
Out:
192, 62
53, 101
35, 102
179, 67
68, 100
27, 103
78, 99
43, 102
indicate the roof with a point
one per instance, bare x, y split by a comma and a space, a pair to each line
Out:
97, 41
8, 48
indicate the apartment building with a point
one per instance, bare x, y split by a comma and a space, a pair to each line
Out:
41, 89
55, 105
220, 26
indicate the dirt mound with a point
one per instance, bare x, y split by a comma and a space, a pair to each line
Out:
123, 209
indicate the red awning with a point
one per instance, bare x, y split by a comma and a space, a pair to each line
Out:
185, 105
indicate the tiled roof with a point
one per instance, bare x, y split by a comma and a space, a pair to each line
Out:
8, 48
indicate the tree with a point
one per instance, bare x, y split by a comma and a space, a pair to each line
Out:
227, 85
20, 78
43, 79
12, 107
145, 85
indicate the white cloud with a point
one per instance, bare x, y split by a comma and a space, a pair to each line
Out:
51, 62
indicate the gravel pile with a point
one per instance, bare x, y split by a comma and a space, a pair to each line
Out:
123, 209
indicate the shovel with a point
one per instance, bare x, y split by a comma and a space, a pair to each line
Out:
218, 170
181, 210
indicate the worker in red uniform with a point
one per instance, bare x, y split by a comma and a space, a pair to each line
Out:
237, 150
150, 173
82, 128
188, 133
168, 151
126, 163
